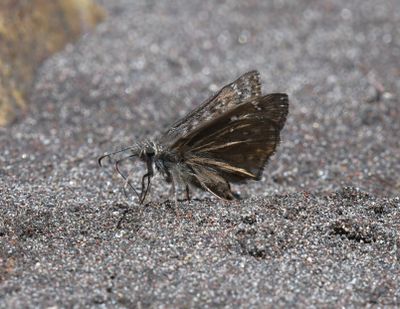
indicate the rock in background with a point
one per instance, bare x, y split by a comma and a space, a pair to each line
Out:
29, 32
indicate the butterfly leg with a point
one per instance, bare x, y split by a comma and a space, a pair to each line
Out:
148, 175
175, 192
126, 178
129, 183
145, 187
187, 193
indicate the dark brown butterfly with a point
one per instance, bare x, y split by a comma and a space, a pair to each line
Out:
227, 139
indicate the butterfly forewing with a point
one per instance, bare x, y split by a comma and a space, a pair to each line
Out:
245, 87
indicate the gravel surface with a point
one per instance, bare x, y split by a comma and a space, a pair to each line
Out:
320, 229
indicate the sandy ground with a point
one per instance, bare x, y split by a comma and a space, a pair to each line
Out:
321, 228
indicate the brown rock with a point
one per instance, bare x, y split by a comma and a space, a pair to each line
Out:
29, 32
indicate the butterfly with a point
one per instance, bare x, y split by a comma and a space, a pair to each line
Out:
227, 139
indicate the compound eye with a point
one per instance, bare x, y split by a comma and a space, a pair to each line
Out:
150, 153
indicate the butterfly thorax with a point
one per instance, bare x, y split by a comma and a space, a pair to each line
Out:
157, 155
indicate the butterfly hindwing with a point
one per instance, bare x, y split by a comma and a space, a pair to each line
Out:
211, 181
238, 143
